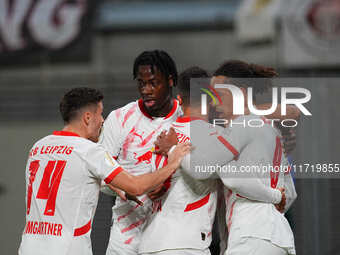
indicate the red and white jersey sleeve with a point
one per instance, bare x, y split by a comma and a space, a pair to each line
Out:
112, 131
100, 164
63, 174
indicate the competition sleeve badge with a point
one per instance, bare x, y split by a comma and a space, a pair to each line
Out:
110, 161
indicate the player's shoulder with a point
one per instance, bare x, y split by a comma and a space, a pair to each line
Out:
201, 124
122, 111
85, 147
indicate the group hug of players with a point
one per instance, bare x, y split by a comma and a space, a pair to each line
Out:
145, 154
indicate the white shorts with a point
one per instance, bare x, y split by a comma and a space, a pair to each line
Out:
180, 252
120, 244
254, 246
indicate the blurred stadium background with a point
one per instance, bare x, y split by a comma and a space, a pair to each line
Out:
50, 46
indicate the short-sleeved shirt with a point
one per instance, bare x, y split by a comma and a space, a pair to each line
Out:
129, 134
63, 176
184, 215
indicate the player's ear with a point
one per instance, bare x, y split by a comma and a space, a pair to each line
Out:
86, 117
171, 81
179, 98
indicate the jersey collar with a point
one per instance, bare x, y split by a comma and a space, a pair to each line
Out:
143, 110
65, 133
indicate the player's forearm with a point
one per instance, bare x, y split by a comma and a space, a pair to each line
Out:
138, 185
253, 189
292, 112
150, 181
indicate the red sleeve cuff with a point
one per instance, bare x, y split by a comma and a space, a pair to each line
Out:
229, 146
113, 175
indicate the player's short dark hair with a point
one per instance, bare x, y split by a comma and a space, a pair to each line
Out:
157, 58
184, 81
76, 99
242, 74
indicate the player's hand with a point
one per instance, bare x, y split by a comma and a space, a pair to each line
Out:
119, 192
133, 198
176, 156
281, 206
124, 196
157, 193
165, 141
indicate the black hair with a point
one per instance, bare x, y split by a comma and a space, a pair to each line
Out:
76, 99
184, 82
241, 73
157, 58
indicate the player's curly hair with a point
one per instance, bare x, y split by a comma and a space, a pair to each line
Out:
160, 59
243, 74
184, 81
76, 99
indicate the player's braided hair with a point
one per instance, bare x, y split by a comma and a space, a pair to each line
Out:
184, 81
159, 59
76, 99
241, 74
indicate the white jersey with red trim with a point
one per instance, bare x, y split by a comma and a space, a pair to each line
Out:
129, 134
250, 154
63, 176
248, 218
183, 217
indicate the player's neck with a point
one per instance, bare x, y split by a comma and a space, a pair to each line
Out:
165, 110
73, 128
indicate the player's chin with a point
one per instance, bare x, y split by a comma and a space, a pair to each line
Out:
152, 109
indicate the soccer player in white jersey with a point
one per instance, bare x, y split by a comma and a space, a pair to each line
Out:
254, 227
63, 177
181, 221
129, 134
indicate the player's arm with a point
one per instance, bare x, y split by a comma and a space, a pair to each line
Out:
251, 187
215, 148
112, 191
212, 150
210, 147
138, 185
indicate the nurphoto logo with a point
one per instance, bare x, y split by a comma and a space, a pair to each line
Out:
239, 102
